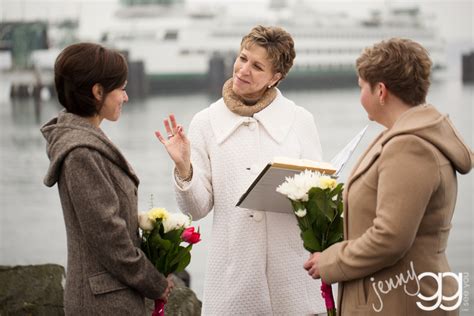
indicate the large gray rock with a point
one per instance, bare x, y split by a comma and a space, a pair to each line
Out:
38, 291
32, 290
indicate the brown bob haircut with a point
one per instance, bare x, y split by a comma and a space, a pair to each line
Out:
404, 66
277, 42
79, 67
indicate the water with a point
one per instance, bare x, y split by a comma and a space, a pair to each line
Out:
31, 224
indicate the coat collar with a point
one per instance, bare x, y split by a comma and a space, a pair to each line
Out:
276, 119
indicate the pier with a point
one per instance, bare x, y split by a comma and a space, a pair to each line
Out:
468, 67
29, 83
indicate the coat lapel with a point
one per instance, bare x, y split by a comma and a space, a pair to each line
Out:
276, 119
365, 161
223, 121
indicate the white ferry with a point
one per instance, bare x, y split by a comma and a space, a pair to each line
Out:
190, 48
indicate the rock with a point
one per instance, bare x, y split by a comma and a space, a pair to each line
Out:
184, 276
32, 290
38, 290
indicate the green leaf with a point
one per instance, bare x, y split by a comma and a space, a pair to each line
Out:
184, 262
320, 222
320, 197
174, 235
311, 243
323, 205
317, 193
340, 208
337, 190
156, 241
336, 231
181, 254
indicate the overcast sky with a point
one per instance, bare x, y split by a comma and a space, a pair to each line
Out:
454, 18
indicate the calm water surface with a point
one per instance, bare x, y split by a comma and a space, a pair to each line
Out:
31, 224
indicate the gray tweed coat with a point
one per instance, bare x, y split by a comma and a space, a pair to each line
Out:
107, 273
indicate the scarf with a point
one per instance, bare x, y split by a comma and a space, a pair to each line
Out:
236, 104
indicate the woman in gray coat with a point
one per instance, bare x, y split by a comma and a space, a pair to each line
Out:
107, 273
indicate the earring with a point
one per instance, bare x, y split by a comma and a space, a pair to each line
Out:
269, 87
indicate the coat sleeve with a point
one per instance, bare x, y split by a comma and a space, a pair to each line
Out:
308, 135
196, 196
408, 175
96, 206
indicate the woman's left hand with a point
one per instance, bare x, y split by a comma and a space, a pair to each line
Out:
177, 145
312, 265
166, 294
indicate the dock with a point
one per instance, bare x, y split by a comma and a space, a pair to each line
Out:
468, 67
28, 83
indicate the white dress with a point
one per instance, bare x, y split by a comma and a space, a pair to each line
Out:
255, 261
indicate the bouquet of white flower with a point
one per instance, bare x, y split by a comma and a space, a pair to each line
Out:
317, 203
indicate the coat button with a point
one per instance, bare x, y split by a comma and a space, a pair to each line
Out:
257, 216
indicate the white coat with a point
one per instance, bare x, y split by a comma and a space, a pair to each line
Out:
255, 262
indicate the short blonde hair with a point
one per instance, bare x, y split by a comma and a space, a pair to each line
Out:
404, 66
277, 42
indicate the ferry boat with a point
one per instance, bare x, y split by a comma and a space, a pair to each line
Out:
191, 48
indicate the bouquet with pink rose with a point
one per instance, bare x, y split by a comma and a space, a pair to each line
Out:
162, 236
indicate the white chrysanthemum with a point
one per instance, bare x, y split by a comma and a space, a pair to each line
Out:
144, 222
296, 188
301, 212
175, 221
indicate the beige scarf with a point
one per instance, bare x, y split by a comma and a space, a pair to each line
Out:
236, 104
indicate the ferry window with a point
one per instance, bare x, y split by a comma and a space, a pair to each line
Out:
171, 35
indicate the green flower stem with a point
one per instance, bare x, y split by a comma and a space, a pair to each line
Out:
305, 222
148, 246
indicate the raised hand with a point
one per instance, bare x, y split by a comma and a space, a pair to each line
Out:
177, 145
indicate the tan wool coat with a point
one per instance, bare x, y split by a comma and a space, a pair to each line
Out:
107, 273
399, 202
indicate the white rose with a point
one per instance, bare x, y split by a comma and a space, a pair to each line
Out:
175, 221
144, 222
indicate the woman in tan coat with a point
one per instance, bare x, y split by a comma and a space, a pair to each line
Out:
107, 273
400, 197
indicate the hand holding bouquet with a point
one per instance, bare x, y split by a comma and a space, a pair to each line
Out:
162, 236
317, 204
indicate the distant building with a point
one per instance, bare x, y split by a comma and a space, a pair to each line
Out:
21, 38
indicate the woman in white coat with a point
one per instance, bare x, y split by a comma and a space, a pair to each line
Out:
255, 264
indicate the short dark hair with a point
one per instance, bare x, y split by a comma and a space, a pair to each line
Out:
404, 66
277, 42
79, 67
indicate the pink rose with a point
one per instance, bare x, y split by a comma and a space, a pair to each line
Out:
190, 236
